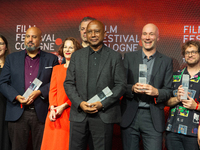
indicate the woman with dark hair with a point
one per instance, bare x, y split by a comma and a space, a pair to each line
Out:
56, 132
4, 51
4, 138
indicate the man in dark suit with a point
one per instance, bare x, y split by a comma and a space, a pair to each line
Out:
91, 70
143, 104
20, 69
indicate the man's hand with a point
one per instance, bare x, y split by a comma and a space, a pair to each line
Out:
180, 92
189, 104
98, 105
87, 108
137, 88
21, 99
145, 89
150, 90
33, 96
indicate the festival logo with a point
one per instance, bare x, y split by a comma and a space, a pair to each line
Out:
49, 41
191, 32
120, 42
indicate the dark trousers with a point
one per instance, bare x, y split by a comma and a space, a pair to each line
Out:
19, 131
175, 141
101, 133
142, 126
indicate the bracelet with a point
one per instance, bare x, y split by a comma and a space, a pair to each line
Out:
197, 106
53, 110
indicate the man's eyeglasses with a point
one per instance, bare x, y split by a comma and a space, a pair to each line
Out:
192, 53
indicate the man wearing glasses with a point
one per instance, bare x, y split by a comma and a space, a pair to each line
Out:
183, 118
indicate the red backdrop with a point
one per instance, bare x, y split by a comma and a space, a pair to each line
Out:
178, 21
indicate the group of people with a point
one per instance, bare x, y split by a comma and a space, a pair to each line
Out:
71, 109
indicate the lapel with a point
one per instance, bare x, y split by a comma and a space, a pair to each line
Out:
103, 59
42, 63
138, 60
22, 63
156, 66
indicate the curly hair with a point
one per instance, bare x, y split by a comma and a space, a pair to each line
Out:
188, 44
77, 45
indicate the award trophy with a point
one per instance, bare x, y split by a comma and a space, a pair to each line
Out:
33, 87
142, 73
185, 84
106, 92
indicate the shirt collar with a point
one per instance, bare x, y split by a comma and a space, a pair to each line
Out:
151, 57
195, 76
92, 51
38, 54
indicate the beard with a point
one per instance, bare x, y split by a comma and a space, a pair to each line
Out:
192, 64
30, 49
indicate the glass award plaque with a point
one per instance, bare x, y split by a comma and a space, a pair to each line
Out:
33, 87
106, 92
143, 73
185, 84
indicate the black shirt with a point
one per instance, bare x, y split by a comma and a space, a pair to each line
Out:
94, 59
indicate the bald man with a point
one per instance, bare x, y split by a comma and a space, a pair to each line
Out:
20, 69
143, 104
91, 70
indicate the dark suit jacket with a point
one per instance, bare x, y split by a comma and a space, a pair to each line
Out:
111, 73
12, 84
161, 79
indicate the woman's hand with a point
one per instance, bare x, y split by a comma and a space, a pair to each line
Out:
52, 115
55, 112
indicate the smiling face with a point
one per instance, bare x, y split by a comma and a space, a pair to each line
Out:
192, 55
32, 38
149, 37
68, 49
2, 47
95, 34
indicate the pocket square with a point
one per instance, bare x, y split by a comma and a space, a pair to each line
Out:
48, 67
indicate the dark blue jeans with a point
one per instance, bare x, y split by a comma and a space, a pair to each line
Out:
175, 141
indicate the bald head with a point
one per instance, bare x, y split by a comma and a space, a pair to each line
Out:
33, 39
152, 27
150, 37
95, 34
97, 22
35, 30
